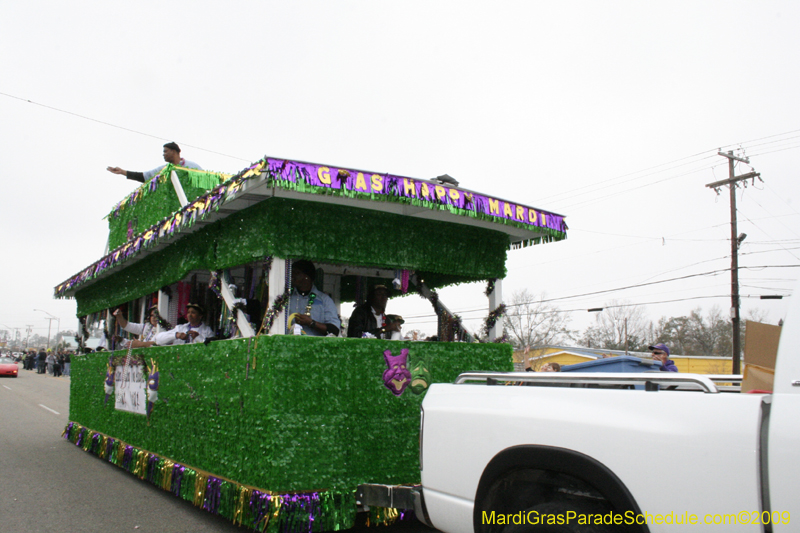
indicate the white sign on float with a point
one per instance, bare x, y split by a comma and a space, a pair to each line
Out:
130, 389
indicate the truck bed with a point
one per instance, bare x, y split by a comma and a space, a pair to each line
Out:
700, 448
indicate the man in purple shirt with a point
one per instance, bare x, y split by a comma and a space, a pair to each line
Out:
661, 353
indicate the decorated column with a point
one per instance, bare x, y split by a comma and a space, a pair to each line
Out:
178, 189
495, 301
278, 296
163, 307
228, 297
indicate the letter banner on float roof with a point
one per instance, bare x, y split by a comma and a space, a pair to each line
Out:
348, 182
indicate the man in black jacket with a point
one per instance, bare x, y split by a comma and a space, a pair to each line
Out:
370, 317
41, 359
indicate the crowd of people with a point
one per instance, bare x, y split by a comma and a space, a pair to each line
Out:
47, 362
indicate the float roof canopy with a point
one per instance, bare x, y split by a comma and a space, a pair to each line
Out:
320, 185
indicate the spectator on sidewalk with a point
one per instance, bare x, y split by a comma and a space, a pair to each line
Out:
661, 354
41, 364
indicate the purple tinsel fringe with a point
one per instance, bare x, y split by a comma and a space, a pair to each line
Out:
126, 457
152, 468
177, 478
211, 501
79, 441
68, 432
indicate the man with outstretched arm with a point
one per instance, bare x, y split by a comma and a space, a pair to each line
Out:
172, 154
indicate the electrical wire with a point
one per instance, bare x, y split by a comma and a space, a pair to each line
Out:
612, 306
779, 221
710, 155
625, 191
161, 138
766, 233
649, 171
712, 272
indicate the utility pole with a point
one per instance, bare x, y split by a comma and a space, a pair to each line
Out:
50, 318
736, 241
626, 335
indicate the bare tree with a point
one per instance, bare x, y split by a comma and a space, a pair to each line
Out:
532, 322
758, 315
696, 334
712, 334
618, 324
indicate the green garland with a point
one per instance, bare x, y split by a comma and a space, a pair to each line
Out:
444, 253
152, 202
547, 234
147, 276
310, 413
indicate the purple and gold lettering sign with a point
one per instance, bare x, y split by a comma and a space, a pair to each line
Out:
348, 182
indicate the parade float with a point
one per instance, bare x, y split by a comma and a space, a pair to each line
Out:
270, 430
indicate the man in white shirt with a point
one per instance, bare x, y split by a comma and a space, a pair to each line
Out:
172, 154
193, 332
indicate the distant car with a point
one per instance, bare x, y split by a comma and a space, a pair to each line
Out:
8, 367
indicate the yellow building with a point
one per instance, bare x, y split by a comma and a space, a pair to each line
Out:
570, 355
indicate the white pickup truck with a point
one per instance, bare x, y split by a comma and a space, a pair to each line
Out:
592, 453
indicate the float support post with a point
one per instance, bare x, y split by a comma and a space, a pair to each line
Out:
495, 299
277, 286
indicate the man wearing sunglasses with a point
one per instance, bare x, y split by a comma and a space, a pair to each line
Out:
661, 353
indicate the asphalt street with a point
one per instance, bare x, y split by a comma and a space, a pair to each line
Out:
49, 485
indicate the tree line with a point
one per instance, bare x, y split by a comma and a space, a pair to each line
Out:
531, 321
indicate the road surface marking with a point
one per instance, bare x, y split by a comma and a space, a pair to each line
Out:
9, 388
56, 412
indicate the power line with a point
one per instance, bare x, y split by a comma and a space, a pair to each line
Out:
625, 191
597, 186
160, 138
709, 273
779, 221
602, 184
612, 306
767, 234
778, 138
782, 199
780, 150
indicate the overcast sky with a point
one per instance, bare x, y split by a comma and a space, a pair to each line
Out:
610, 113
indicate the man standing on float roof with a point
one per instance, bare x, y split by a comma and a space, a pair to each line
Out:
172, 154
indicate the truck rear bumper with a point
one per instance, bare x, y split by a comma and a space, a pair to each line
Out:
394, 497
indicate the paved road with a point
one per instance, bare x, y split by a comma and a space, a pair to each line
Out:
49, 485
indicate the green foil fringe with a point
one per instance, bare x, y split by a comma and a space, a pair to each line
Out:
547, 234
151, 203
293, 414
443, 253
289, 413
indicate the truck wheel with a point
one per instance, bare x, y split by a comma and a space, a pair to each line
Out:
561, 508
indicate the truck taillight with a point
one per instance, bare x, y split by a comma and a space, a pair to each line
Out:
421, 425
